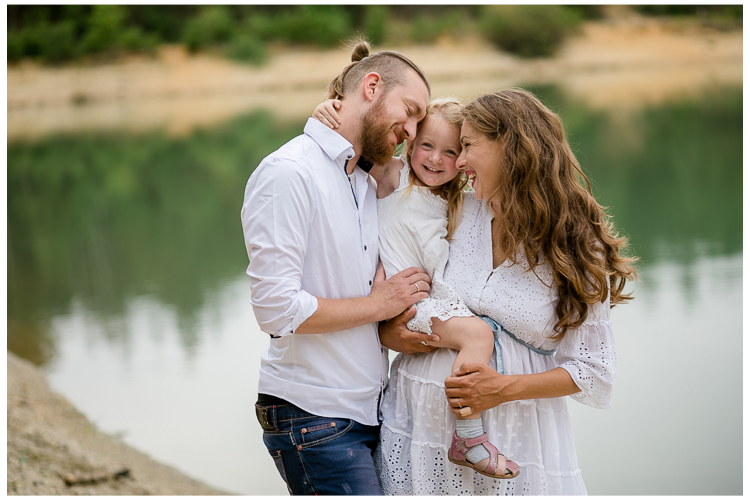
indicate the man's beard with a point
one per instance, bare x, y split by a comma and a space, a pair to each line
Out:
374, 135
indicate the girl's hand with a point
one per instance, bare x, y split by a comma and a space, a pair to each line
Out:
326, 113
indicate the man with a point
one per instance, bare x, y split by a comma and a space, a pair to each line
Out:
310, 224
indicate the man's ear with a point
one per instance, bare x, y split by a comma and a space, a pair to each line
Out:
370, 85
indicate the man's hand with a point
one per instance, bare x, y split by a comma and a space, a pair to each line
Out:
394, 335
393, 296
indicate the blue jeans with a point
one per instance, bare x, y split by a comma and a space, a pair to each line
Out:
320, 455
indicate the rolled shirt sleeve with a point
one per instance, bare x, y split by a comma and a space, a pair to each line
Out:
276, 218
587, 353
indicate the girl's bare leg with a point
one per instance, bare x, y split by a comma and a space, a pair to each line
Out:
471, 337
474, 341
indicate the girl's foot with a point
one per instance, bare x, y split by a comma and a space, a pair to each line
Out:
497, 466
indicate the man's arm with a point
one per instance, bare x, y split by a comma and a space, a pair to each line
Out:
387, 299
396, 336
276, 217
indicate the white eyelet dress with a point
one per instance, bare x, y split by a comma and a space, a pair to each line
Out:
536, 434
412, 226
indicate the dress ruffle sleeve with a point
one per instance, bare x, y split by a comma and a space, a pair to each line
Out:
587, 353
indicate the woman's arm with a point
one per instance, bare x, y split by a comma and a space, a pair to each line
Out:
480, 387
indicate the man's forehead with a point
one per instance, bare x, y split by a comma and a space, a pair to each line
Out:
416, 93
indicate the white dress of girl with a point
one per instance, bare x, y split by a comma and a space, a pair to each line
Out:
536, 434
412, 226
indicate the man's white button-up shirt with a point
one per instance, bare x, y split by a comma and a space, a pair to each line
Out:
307, 236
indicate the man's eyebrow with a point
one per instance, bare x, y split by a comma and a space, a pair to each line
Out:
416, 105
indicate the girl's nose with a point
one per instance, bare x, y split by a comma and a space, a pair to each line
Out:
435, 157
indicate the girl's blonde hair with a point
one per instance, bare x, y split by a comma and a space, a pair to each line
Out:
450, 110
546, 207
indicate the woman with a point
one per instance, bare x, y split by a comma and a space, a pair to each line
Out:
537, 256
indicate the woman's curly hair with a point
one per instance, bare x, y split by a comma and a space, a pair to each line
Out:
544, 208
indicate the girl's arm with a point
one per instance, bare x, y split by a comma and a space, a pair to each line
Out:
326, 113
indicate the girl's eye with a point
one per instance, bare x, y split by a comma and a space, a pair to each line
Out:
450, 152
426, 145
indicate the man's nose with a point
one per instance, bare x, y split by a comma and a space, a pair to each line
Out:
410, 129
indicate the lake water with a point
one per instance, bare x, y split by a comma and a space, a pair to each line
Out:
126, 285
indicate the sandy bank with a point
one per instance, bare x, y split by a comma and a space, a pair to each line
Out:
623, 61
49, 440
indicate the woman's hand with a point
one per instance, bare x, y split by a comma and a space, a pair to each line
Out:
480, 387
395, 336
326, 113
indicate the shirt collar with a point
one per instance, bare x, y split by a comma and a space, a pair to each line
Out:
332, 143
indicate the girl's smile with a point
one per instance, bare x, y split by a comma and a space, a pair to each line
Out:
434, 152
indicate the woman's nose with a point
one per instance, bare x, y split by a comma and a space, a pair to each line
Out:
461, 162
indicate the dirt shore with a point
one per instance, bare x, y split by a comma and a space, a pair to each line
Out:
622, 61
50, 442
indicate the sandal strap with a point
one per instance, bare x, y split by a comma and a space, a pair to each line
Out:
472, 442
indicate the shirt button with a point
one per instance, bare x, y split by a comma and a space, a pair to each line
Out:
371, 282
365, 247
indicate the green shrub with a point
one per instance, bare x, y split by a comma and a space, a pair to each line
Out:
586, 11
15, 46
376, 18
427, 28
48, 42
323, 25
133, 38
104, 26
528, 30
212, 24
57, 42
247, 48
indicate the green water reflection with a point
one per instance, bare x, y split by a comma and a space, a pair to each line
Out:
97, 220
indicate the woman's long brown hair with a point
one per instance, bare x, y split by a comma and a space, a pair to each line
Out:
544, 208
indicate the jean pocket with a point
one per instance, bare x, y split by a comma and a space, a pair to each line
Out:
279, 463
323, 429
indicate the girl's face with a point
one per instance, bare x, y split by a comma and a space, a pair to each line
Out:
434, 152
480, 159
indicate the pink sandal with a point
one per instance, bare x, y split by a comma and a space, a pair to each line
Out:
457, 455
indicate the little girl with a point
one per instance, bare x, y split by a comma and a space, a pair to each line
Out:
419, 204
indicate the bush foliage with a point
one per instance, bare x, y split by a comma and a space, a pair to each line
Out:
528, 30
59, 33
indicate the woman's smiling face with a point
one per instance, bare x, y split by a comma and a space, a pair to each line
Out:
481, 160
434, 152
